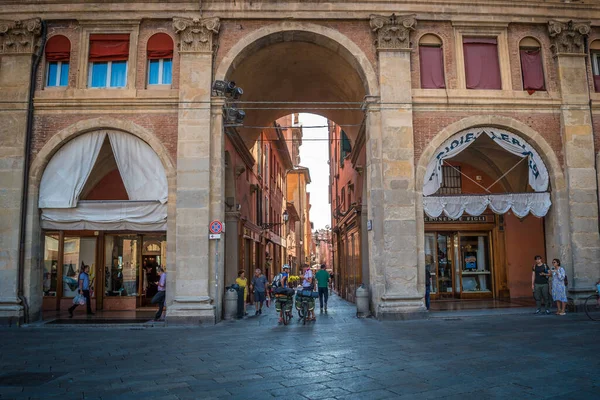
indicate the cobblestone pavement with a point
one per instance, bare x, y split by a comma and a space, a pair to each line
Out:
515, 356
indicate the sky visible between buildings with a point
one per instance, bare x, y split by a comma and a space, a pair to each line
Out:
314, 155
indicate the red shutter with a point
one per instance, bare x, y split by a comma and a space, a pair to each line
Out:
160, 46
482, 67
533, 72
109, 47
432, 67
58, 48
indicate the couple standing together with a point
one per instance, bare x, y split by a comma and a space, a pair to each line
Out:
540, 274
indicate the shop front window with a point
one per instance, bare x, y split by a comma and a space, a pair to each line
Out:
476, 274
154, 255
121, 266
77, 253
50, 278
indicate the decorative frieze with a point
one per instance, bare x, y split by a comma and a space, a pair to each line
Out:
568, 37
196, 35
20, 37
393, 32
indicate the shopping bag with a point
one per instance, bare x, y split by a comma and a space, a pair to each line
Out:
79, 299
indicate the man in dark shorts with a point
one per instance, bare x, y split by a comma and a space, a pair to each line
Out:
259, 285
539, 285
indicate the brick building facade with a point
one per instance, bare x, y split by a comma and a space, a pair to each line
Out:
403, 80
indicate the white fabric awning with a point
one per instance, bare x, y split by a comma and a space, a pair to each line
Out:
538, 174
108, 215
140, 168
521, 204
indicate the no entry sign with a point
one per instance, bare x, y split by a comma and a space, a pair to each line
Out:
216, 227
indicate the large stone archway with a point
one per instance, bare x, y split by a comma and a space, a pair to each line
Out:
557, 232
33, 271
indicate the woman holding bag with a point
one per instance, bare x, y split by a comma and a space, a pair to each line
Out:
559, 291
84, 289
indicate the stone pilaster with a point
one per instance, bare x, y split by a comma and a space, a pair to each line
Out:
18, 42
391, 176
193, 298
578, 144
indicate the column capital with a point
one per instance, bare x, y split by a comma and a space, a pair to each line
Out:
567, 37
20, 37
196, 34
393, 32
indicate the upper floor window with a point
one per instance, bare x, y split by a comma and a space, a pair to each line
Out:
451, 180
595, 58
160, 59
432, 62
58, 52
482, 66
108, 61
346, 148
531, 65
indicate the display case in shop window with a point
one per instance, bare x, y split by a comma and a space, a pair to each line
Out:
475, 265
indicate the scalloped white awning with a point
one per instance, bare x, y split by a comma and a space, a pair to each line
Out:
538, 173
521, 204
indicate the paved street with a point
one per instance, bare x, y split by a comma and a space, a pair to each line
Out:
451, 356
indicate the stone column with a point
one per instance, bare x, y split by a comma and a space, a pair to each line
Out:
19, 40
578, 146
192, 300
391, 176
217, 204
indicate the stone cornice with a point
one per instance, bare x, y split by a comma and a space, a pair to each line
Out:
393, 32
20, 37
568, 37
196, 34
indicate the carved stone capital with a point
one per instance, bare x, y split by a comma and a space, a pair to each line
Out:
393, 32
196, 35
20, 37
567, 37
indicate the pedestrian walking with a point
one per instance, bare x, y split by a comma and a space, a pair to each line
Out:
559, 290
539, 285
159, 297
323, 277
307, 284
259, 285
84, 289
243, 283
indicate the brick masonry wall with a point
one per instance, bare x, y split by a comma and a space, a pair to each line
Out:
428, 124
163, 126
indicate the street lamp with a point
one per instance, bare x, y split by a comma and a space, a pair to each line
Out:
270, 225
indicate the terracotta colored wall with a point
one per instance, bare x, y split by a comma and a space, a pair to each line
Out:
111, 187
524, 239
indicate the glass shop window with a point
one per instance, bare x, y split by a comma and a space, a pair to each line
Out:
121, 265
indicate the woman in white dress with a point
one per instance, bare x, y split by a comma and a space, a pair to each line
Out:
559, 291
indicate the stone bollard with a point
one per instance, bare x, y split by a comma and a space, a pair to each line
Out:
230, 306
362, 302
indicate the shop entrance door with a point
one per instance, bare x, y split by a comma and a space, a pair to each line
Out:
440, 260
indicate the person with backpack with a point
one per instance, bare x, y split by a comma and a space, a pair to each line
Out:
281, 282
559, 290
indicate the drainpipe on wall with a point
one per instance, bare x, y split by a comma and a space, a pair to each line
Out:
26, 162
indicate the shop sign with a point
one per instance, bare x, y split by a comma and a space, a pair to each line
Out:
464, 218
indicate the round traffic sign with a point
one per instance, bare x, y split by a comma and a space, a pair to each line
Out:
216, 227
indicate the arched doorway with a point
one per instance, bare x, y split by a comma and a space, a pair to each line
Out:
493, 197
298, 67
103, 202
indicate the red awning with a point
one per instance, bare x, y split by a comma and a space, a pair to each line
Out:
160, 46
58, 48
109, 47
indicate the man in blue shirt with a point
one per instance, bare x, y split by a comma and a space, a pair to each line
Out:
285, 275
84, 289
